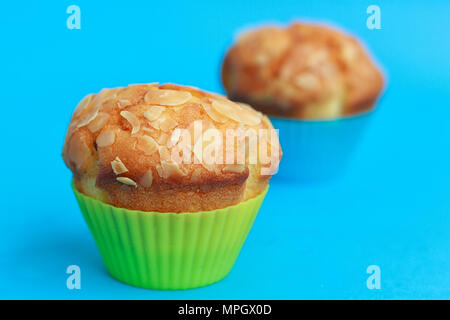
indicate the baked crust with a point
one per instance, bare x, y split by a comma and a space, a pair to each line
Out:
303, 71
120, 146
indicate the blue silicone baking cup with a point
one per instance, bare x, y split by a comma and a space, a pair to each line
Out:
316, 151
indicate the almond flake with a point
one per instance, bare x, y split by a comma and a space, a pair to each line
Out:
164, 153
168, 169
349, 53
307, 81
248, 115
147, 179
127, 181
123, 103
118, 166
95, 105
82, 104
132, 119
163, 138
226, 108
150, 130
88, 117
238, 112
167, 123
236, 168
106, 138
153, 112
147, 144
105, 94
78, 152
167, 97
317, 58
214, 115
99, 122
159, 170
154, 124
174, 138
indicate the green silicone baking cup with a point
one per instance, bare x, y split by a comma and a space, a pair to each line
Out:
168, 251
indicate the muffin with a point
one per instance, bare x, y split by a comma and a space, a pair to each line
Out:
168, 202
315, 82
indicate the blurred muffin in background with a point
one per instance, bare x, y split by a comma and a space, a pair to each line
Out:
317, 84
303, 71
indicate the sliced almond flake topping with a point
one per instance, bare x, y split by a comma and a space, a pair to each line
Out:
147, 144
172, 168
307, 81
106, 138
118, 166
88, 117
317, 58
108, 105
166, 123
78, 152
163, 138
159, 170
106, 94
167, 97
349, 52
150, 130
82, 104
174, 138
127, 181
164, 153
237, 112
236, 168
123, 103
226, 108
99, 122
154, 124
132, 119
94, 106
168, 169
154, 112
214, 115
147, 179
250, 116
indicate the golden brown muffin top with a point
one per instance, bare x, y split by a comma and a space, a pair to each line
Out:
155, 138
302, 71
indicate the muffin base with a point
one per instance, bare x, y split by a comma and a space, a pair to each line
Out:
168, 251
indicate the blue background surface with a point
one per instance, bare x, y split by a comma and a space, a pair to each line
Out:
313, 241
